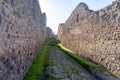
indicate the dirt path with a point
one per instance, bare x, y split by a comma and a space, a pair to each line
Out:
63, 67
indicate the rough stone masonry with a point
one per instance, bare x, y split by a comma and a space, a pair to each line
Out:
22, 34
94, 35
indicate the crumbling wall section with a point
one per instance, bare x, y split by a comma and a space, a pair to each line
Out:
22, 35
94, 34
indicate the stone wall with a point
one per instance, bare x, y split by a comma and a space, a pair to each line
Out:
49, 32
22, 34
94, 34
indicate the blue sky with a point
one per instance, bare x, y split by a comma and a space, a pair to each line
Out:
58, 11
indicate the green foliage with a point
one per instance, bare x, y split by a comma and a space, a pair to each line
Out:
83, 62
54, 41
37, 69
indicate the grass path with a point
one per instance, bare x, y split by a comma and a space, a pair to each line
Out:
37, 69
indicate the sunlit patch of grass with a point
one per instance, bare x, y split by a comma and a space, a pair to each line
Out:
83, 62
65, 49
37, 69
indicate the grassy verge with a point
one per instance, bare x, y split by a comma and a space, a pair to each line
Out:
37, 69
86, 64
83, 62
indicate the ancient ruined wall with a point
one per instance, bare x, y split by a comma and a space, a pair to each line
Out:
22, 34
49, 32
94, 34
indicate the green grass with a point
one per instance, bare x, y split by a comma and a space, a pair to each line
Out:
37, 69
83, 62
